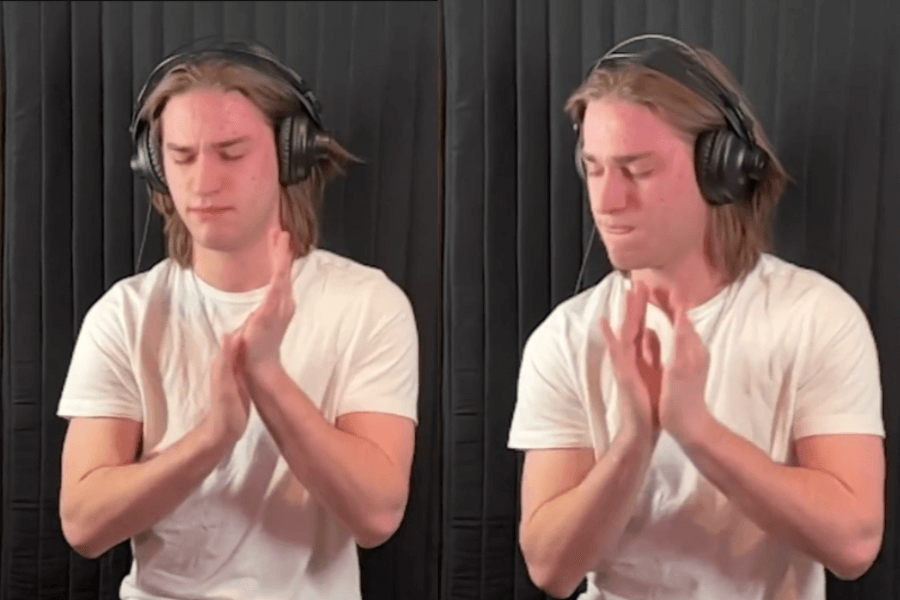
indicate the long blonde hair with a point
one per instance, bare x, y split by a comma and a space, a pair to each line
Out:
300, 202
740, 232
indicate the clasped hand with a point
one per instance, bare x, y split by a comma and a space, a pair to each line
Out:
254, 346
657, 396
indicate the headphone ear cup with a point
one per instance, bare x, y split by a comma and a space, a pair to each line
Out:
156, 165
579, 162
719, 181
727, 167
703, 165
300, 145
147, 163
285, 151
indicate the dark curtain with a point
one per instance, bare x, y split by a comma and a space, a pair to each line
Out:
74, 216
824, 78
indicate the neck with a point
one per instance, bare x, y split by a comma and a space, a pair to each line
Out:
694, 281
234, 271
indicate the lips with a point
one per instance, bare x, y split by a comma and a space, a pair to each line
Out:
617, 229
209, 210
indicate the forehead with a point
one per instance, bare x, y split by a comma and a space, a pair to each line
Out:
211, 113
615, 126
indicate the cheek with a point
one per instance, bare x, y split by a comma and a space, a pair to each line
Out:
264, 171
679, 207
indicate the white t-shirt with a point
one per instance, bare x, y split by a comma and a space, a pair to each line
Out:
791, 355
250, 531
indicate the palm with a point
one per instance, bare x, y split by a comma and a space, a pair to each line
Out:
635, 357
650, 371
264, 329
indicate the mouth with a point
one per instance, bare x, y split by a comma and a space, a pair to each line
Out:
617, 229
209, 210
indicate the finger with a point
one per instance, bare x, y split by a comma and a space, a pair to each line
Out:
643, 298
646, 350
239, 347
287, 261
684, 328
242, 389
286, 253
224, 361
652, 349
609, 337
283, 277
635, 313
281, 254
280, 260
227, 345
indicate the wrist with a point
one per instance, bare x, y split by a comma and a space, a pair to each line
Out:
696, 429
214, 437
637, 438
265, 376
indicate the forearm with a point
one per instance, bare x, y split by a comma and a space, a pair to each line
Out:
811, 510
350, 475
114, 503
570, 534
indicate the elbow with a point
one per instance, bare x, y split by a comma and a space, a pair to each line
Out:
79, 535
550, 583
547, 574
854, 565
380, 528
850, 570
857, 557
81, 540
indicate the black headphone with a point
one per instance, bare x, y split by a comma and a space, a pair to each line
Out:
301, 138
728, 161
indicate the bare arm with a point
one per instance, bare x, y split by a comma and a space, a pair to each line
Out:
359, 467
107, 497
574, 509
831, 506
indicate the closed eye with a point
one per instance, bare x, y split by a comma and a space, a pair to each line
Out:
640, 174
186, 159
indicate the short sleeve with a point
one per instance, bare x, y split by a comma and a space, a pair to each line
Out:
100, 381
839, 388
382, 373
549, 412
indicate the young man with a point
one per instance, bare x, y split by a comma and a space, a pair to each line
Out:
244, 411
704, 423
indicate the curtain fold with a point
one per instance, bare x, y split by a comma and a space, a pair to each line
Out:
823, 78
74, 219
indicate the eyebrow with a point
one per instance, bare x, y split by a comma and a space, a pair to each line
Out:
623, 159
218, 145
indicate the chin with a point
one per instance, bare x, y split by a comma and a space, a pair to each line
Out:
623, 261
218, 243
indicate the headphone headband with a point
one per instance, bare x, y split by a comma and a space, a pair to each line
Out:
252, 54
681, 62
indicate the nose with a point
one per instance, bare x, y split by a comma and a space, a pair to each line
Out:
608, 192
208, 175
